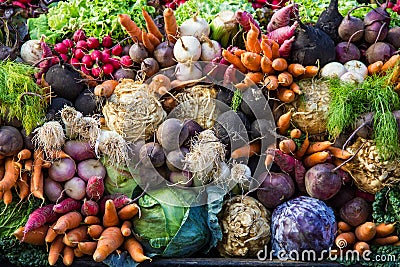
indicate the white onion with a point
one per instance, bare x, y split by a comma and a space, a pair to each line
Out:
195, 26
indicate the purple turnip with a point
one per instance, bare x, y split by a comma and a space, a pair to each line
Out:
351, 28
79, 150
75, 188
52, 189
322, 182
275, 188
89, 168
355, 211
62, 170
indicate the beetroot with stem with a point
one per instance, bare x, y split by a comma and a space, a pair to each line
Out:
275, 188
356, 211
351, 28
346, 51
322, 181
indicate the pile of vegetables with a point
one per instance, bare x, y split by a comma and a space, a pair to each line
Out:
207, 128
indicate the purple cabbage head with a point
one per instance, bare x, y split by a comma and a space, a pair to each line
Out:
300, 224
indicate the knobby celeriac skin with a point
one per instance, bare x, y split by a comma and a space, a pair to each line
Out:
245, 227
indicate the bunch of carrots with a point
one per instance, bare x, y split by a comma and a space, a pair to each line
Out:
361, 237
152, 37
70, 235
264, 63
23, 174
380, 67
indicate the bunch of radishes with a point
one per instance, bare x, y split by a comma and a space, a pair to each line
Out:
98, 58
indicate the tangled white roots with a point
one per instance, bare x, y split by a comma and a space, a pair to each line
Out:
133, 111
206, 154
49, 137
114, 147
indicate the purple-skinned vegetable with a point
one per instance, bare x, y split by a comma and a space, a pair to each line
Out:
322, 181
280, 18
62, 170
244, 18
281, 34
284, 49
95, 188
346, 51
91, 167
67, 205
39, 217
275, 188
79, 150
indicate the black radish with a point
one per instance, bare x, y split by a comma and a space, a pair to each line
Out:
329, 21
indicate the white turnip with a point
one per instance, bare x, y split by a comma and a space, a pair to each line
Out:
62, 170
333, 69
75, 188
31, 51
356, 66
187, 48
195, 26
352, 77
89, 168
210, 49
188, 71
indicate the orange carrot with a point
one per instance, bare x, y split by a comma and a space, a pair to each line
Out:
285, 78
279, 64
295, 133
128, 211
253, 44
130, 26
295, 88
153, 39
267, 50
375, 67
24, 154
386, 240
238, 52
135, 249
110, 217
57, 154
126, 228
247, 150
344, 227
285, 95
311, 71
23, 186
10, 176
34, 237
255, 77
91, 220
283, 122
95, 230
316, 158
170, 25
391, 62
55, 249
73, 236
37, 175
50, 235
88, 247
151, 25
109, 241
67, 221
266, 65
296, 69
385, 229
339, 153
360, 247
365, 231
235, 60
7, 197
78, 253
251, 61
318, 147
68, 256
275, 49
106, 88
146, 42
345, 239
287, 146
271, 82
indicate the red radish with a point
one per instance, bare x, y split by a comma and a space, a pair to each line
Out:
79, 35
115, 62
64, 57
93, 42
79, 54
126, 61
75, 62
96, 71
87, 61
105, 56
82, 45
281, 34
61, 48
107, 41
108, 69
117, 50
95, 188
67, 205
280, 18
68, 43
96, 55
40, 217
89, 208
85, 70
284, 49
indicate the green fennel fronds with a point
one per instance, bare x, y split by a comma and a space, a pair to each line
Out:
236, 100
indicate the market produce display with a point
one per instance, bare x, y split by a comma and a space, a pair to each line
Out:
138, 130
